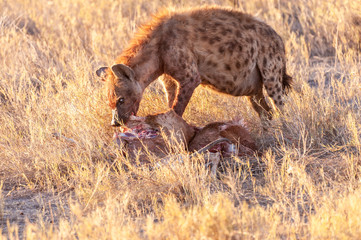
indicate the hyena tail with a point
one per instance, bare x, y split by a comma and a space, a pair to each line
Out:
286, 81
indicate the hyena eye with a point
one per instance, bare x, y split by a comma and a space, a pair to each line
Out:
120, 101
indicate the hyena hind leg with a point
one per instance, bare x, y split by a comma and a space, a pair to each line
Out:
273, 86
171, 89
260, 105
272, 69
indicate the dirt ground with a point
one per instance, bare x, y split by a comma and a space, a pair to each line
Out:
23, 206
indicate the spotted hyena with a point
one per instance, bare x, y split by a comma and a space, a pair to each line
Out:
227, 50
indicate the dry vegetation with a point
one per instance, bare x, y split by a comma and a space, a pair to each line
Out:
306, 185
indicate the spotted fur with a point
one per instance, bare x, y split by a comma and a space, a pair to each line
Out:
224, 49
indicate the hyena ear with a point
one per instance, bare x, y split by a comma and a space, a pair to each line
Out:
102, 73
121, 70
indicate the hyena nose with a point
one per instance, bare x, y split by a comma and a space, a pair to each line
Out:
115, 118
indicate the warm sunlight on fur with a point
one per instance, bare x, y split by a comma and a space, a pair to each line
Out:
63, 177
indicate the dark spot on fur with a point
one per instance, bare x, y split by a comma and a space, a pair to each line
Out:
221, 49
225, 31
238, 65
165, 47
252, 51
230, 46
227, 67
217, 24
264, 61
279, 97
272, 79
278, 89
249, 26
240, 48
246, 61
249, 20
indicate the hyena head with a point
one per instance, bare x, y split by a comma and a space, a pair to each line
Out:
123, 91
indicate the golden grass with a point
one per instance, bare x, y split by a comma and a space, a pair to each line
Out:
309, 187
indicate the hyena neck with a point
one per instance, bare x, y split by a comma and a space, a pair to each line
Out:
146, 70
145, 63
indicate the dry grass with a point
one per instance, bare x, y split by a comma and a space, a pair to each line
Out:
308, 187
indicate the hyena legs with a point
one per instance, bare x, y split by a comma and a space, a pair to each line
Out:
272, 74
182, 67
188, 80
259, 104
171, 89
274, 89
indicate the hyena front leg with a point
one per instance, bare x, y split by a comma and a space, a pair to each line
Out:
188, 80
